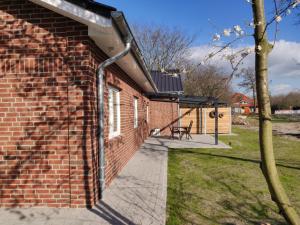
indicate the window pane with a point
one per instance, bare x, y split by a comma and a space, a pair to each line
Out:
147, 114
135, 112
114, 112
111, 111
115, 125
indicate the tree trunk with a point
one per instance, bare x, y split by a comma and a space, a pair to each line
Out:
268, 164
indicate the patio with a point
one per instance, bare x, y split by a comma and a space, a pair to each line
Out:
136, 196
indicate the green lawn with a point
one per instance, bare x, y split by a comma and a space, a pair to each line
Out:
277, 118
285, 118
221, 186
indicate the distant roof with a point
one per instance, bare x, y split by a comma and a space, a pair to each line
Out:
167, 81
238, 98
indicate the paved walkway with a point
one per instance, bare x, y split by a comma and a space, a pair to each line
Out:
136, 196
198, 141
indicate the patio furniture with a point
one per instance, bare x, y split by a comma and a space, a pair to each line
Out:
187, 131
175, 130
182, 131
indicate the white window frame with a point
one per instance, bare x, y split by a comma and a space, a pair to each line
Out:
113, 133
147, 113
135, 113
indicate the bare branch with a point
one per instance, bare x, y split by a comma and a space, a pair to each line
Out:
163, 47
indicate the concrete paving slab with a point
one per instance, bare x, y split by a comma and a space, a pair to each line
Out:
197, 141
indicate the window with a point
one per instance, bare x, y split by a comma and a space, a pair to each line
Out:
147, 113
114, 112
135, 105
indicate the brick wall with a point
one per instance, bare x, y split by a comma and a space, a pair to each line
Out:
48, 111
163, 115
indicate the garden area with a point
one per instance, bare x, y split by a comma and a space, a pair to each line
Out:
226, 186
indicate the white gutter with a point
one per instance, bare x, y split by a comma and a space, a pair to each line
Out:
105, 32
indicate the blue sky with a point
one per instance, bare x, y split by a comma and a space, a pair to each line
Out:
193, 17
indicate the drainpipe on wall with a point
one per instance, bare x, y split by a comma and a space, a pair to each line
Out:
100, 74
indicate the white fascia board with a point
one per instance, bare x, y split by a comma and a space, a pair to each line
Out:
75, 12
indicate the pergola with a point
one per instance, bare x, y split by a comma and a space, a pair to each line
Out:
193, 102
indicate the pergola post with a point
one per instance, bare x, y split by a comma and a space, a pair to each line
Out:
216, 122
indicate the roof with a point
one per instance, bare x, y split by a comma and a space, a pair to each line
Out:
167, 82
238, 98
110, 31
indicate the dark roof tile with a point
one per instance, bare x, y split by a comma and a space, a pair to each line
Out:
166, 82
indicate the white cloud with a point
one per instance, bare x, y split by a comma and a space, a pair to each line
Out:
284, 63
281, 89
284, 58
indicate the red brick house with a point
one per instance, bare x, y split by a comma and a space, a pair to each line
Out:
242, 104
49, 101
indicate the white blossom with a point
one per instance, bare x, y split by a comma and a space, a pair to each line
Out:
227, 32
237, 28
297, 2
216, 37
251, 24
259, 48
288, 12
278, 18
249, 50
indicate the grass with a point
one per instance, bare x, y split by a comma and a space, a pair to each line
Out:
285, 118
218, 186
276, 119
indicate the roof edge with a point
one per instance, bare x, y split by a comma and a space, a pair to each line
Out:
125, 31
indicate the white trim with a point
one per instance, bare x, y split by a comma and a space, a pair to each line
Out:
200, 119
205, 122
147, 114
230, 121
74, 12
104, 33
135, 112
111, 121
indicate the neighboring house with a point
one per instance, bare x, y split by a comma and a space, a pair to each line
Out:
168, 82
49, 143
242, 104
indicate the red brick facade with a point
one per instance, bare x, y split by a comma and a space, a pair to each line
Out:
163, 115
48, 111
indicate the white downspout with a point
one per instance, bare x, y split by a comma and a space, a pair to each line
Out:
100, 74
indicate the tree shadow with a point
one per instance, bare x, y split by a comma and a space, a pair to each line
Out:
51, 122
186, 151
